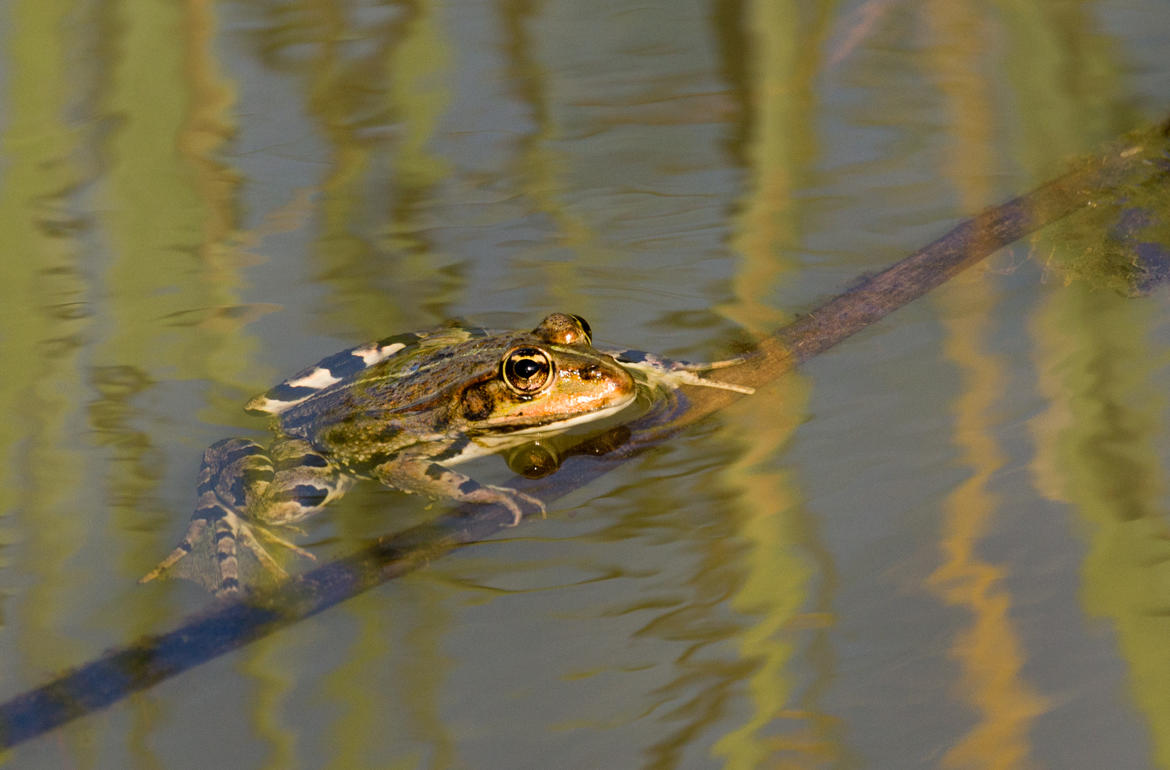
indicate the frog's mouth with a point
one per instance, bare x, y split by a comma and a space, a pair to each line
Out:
503, 437
557, 426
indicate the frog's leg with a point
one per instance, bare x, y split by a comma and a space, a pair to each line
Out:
661, 370
417, 474
243, 492
232, 470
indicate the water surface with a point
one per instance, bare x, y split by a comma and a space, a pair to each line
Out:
942, 544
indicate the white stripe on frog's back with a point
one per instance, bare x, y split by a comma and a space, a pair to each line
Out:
328, 372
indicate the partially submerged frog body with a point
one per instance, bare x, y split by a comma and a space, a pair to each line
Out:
402, 411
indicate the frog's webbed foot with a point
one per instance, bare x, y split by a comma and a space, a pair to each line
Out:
243, 495
221, 552
234, 471
440, 481
505, 496
191, 538
659, 370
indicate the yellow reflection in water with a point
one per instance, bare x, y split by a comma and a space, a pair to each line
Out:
419, 72
772, 594
168, 209
1095, 450
1095, 440
539, 165
780, 95
988, 651
1059, 64
398, 77
399, 644
776, 575
42, 473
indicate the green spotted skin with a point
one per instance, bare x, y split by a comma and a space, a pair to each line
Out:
402, 411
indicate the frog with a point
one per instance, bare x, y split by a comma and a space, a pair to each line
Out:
403, 411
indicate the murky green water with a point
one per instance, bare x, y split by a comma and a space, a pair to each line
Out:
941, 544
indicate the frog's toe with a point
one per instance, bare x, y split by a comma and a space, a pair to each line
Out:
511, 499
191, 538
206, 554
242, 534
275, 539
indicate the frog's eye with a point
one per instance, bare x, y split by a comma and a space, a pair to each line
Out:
585, 328
527, 371
564, 329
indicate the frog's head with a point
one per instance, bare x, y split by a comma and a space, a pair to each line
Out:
549, 378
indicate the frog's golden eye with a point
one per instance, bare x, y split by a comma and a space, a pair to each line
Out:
527, 371
564, 329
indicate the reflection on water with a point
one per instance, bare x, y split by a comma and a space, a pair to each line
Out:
940, 545
987, 650
1097, 451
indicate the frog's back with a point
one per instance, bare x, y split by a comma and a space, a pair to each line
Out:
399, 361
